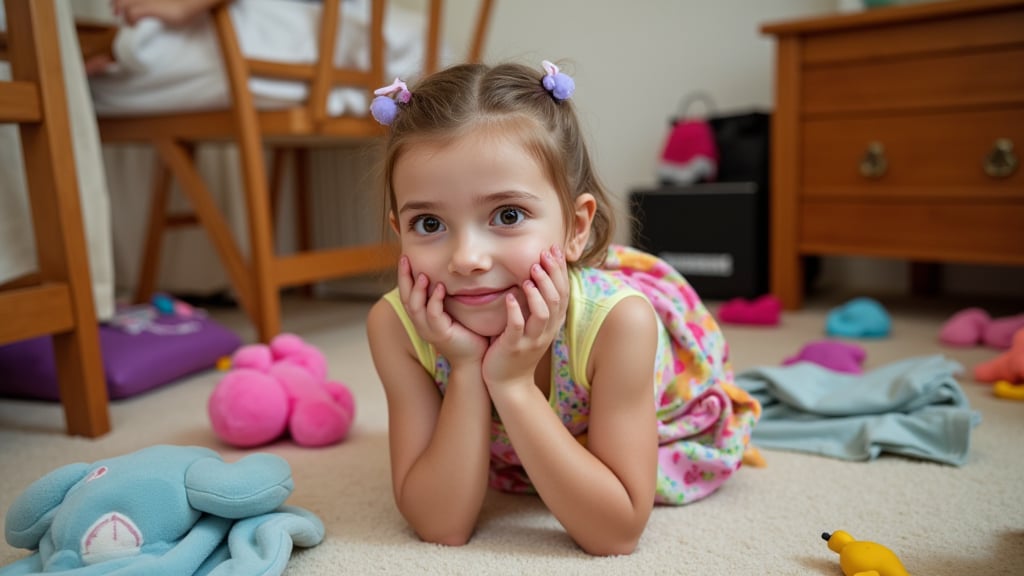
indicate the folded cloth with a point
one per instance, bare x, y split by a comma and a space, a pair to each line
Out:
913, 407
162, 510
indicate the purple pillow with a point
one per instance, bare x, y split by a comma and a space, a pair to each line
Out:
137, 356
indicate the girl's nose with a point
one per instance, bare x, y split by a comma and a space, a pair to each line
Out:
470, 255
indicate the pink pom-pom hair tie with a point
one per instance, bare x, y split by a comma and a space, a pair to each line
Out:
558, 83
384, 107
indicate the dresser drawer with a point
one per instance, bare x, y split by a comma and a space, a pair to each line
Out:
924, 154
986, 30
929, 81
988, 232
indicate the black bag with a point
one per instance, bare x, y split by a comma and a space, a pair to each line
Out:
744, 147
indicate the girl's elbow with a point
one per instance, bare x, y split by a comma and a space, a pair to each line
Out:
445, 538
619, 547
621, 543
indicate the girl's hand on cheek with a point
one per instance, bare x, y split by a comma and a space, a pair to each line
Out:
451, 339
512, 357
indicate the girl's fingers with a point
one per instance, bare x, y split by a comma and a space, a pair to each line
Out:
516, 323
558, 271
418, 295
540, 312
437, 318
405, 280
544, 278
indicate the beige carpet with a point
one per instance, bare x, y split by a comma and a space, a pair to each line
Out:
940, 520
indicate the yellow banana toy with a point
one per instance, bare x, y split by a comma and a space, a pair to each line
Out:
1008, 390
861, 558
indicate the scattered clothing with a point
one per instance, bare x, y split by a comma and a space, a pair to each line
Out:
913, 407
973, 326
830, 354
762, 311
859, 318
999, 332
1008, 366
965, 328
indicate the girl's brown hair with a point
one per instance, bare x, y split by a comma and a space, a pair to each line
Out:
509, 97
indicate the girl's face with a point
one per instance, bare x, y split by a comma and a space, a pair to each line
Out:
475, 215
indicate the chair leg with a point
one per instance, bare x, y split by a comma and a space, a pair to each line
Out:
262, 258
264, 276
49, 163
150, 263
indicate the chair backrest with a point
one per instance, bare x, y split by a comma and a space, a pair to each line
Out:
324, 75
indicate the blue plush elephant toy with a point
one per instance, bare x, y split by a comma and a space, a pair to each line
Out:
161, 510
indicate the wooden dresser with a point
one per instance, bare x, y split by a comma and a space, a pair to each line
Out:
898, 133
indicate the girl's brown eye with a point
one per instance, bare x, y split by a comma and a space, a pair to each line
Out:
509, 217
427, 225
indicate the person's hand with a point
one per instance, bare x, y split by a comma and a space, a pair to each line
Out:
452, 340
512, 357
170, 12
97, 64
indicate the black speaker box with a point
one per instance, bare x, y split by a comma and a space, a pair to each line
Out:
714, 234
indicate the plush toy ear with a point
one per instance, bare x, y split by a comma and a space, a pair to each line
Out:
255, 356
254, 485
32, 513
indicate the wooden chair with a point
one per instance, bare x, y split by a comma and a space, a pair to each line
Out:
58, 299
258, 281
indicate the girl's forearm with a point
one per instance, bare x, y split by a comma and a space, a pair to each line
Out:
443, 492
584, 494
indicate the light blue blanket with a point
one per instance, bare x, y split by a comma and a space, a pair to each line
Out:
161, 511
913, 407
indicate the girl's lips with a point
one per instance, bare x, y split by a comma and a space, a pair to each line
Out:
478, 299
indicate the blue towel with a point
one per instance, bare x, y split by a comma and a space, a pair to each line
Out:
913, 407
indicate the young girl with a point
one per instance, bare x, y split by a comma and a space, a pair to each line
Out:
520, 351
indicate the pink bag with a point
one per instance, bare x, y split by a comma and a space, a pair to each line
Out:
690, 154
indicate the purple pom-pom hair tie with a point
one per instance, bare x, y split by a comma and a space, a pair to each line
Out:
560, 84
384, 107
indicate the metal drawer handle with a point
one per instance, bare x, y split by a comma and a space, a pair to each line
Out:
874, 163
1001, 162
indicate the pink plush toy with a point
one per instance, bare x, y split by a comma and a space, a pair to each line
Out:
280, 388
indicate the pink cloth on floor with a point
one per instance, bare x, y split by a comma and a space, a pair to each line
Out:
836, 356
999, 332
762, 311
965, 328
